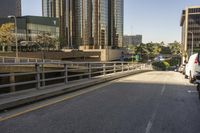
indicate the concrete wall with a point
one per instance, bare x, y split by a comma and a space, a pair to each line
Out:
109, 54
97, 54
55, 55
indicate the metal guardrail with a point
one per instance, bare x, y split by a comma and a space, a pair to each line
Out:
4, 60
67, 72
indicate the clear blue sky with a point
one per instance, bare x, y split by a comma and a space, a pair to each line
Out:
156, 20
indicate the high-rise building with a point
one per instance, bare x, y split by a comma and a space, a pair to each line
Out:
117, 21
53, 8
69, 14
132, 40
10, 7
73, 23
190, 23
57, 9
91, 24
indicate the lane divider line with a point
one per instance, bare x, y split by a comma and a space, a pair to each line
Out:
151, 121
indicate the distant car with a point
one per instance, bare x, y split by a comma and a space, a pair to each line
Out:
192, 67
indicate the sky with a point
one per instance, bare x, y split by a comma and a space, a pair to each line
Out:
156, 20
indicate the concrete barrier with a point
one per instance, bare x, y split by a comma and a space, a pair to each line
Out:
18, 99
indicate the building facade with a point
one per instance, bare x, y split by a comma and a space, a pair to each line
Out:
10, 7
190, 23
117, 21
56, 9
90, 24
74, 23
132, 40
28, 27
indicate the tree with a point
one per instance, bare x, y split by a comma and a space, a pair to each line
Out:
6, 35
149, 50
46, 41
154, 49
175, 48
132, 48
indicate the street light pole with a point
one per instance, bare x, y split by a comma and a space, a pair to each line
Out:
16, 44
192, 41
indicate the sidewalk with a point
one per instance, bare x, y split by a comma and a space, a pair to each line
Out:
20, 98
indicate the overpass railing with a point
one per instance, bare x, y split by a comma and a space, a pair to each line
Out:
6, 60
41, 77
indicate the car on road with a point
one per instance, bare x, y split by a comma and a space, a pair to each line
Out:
192, 67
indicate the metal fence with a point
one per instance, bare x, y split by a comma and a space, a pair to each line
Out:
67, 72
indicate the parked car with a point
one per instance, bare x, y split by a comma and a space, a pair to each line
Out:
192, 67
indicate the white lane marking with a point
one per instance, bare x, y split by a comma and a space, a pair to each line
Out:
190, 91
163, 90
14, 114
151, 121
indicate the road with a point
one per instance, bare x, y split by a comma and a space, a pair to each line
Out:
153, 102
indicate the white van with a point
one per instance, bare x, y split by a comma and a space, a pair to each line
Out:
192, 67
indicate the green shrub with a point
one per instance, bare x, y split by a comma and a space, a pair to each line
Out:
174, 61
166, 64
162, 65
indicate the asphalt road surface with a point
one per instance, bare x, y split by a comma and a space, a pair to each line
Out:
153, 102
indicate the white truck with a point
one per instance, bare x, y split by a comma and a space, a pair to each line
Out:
192, 67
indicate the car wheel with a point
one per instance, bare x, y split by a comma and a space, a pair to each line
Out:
186, 77
198, 87
199, 95
191, 80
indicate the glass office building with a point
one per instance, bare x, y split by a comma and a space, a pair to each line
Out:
87, 22
29, 27
117, 20
10, 7
92, 24
53, 8
56, 9
190, 23
100, 23
73, 23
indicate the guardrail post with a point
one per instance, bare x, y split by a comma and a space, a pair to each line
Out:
43, 75
114, 67
141, 67
104, 69
37, 77
145, 66
66, 73
133, 66
3, 60
128, 66
122, 67
12, 80
90, 70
